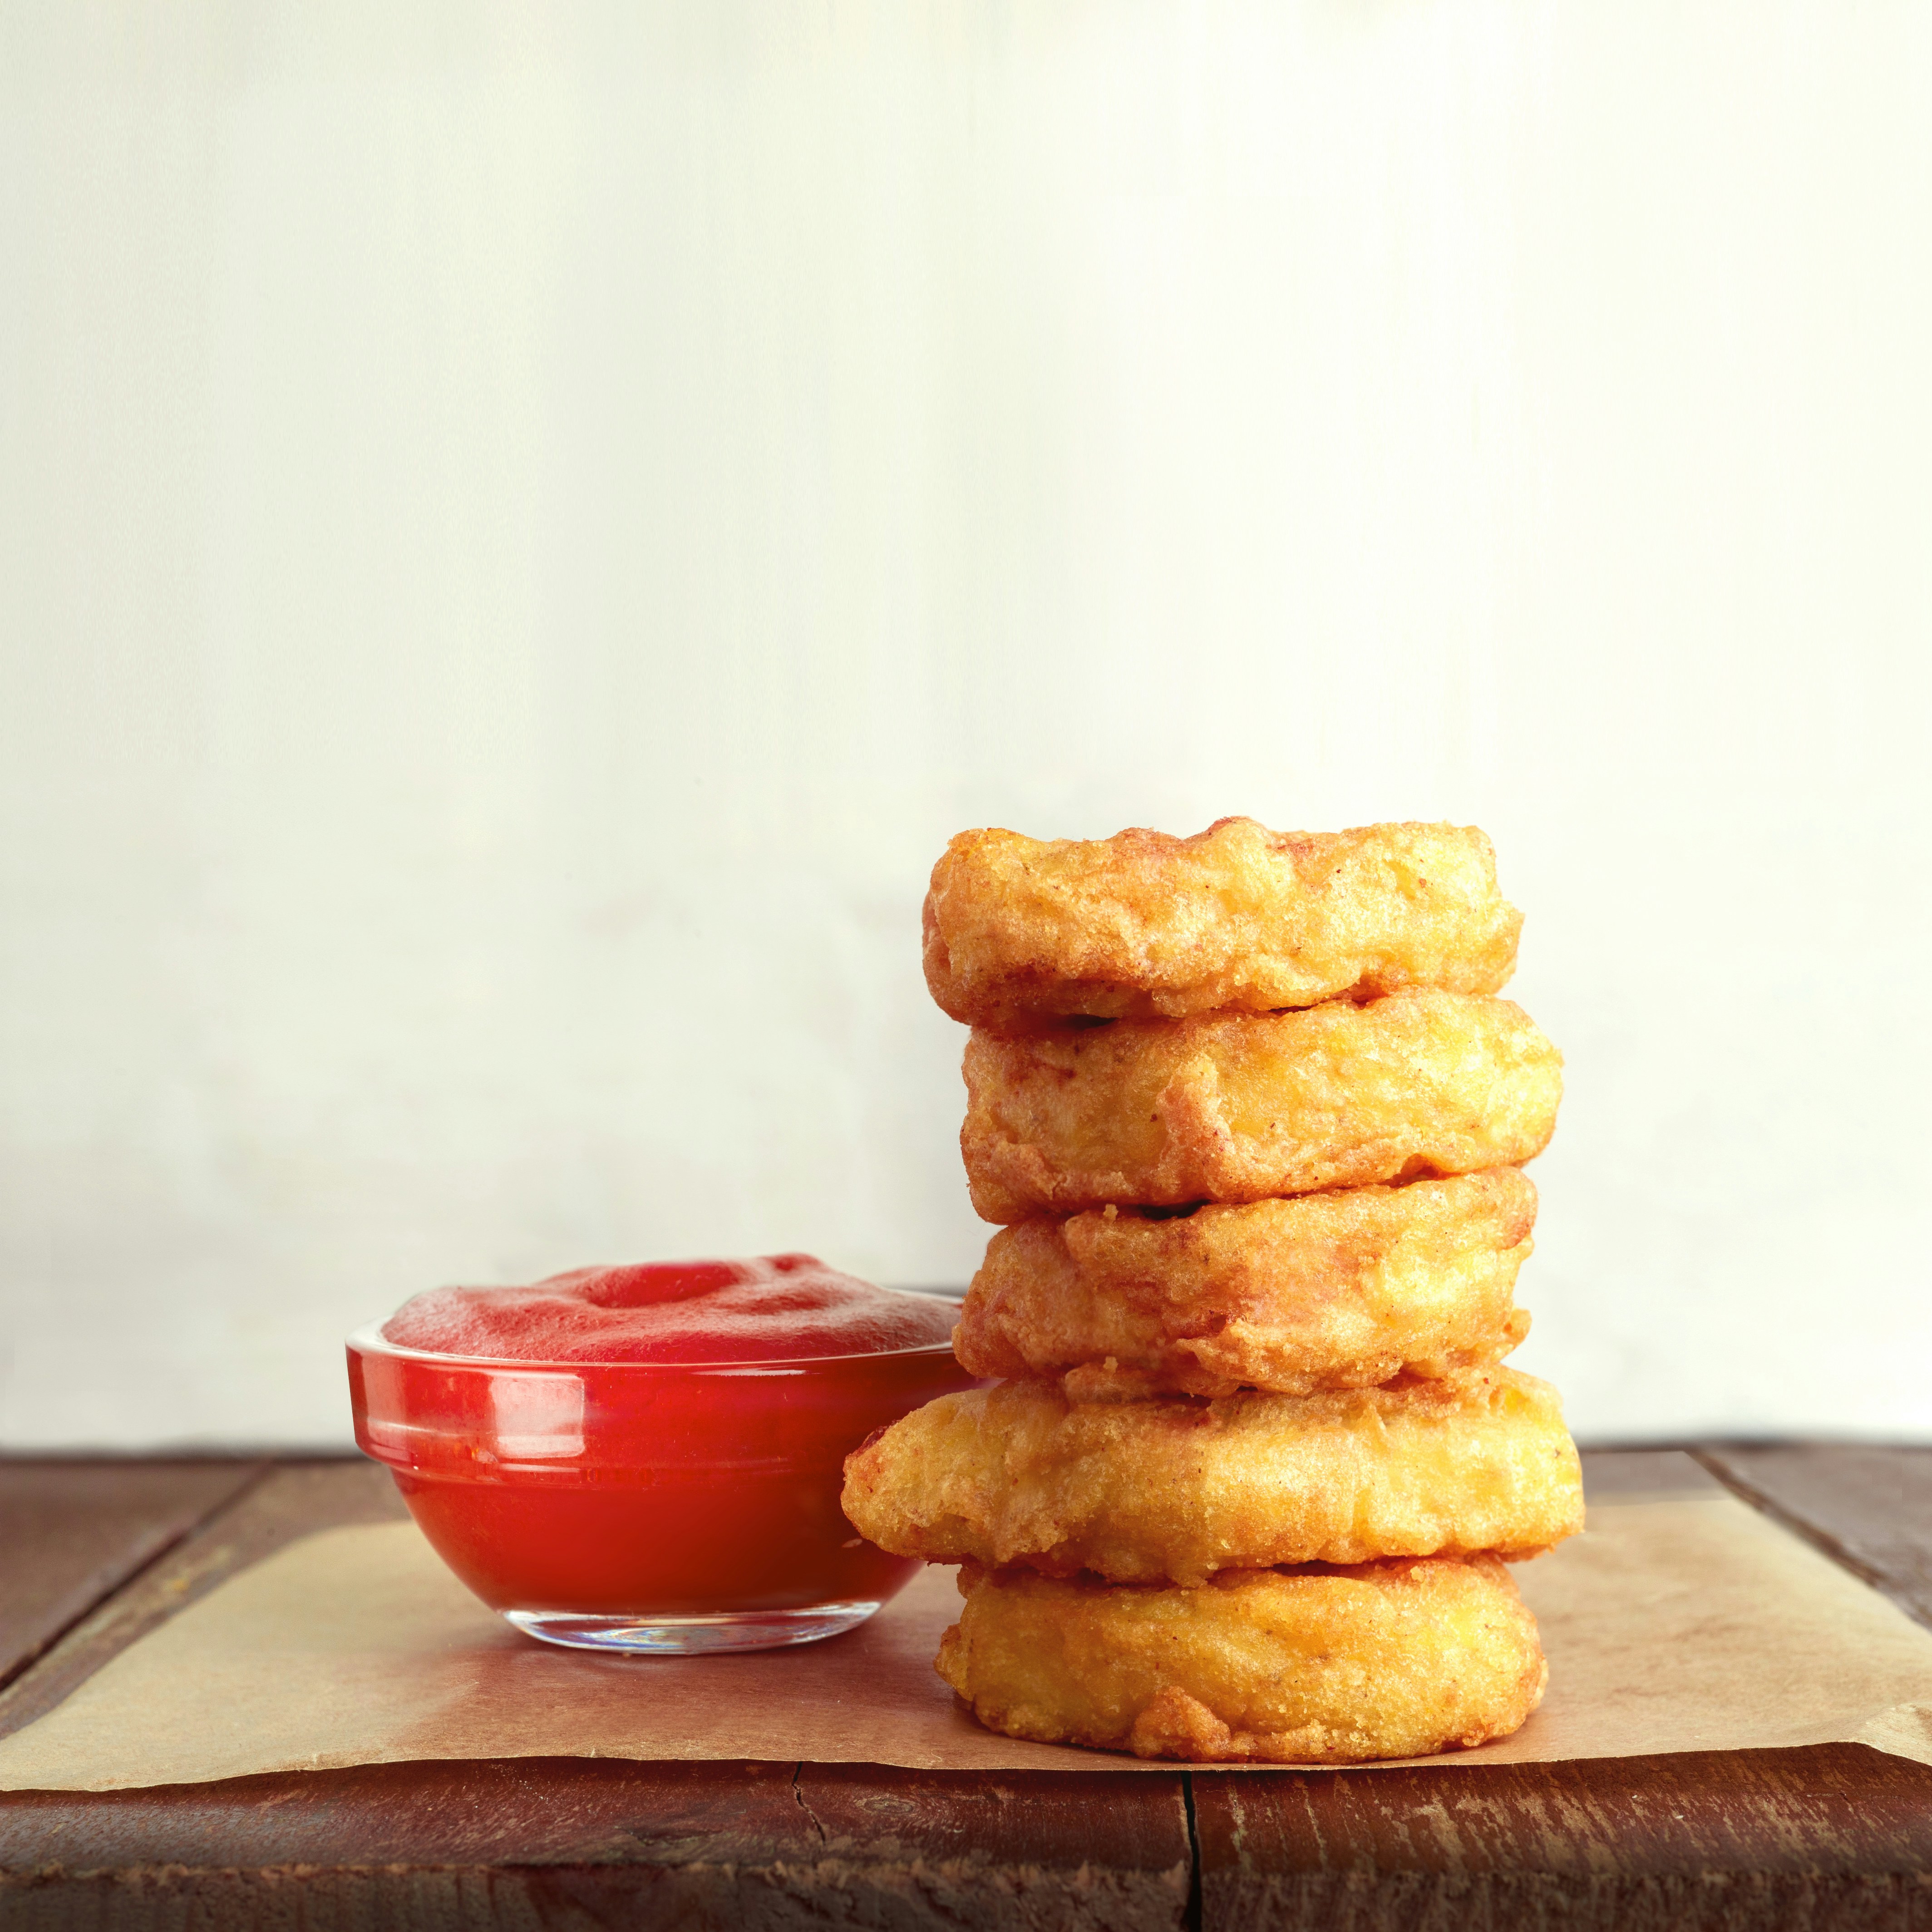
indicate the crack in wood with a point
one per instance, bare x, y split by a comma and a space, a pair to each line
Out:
798, 1792
1191, 1912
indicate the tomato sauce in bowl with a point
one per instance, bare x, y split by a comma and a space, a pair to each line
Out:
649, 1458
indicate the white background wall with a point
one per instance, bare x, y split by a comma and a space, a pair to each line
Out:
523, 529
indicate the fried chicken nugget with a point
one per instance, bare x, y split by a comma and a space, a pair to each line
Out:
1240, 1107
1391, 1660
1340, 1290
1172, 1490
1020, 931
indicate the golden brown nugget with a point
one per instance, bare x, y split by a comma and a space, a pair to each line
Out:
1333, 1667
1341, 1290
1242, 1107
1020, 931
1172, 1489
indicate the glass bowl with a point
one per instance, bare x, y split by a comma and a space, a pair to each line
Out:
656, 1507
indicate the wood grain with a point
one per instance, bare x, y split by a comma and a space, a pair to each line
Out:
1868, 1508
1074, 1849
1839, 1836
569, 1841
72, 1532
286, 1502
518, 1843
504, 1810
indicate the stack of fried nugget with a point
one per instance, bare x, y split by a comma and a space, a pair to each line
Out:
1252, 1120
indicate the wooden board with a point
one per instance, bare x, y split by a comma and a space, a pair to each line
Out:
1836, 1837
72, 1532
571, 1841
1823, 1839
271, 1507
1866, 1507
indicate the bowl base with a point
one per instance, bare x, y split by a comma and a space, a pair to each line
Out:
649, 1636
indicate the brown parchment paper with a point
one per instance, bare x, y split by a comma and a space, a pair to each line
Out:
1680, 1621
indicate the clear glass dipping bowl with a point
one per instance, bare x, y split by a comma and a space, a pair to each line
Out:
666, 1507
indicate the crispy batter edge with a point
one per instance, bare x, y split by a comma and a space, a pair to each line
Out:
1038, 964
1175, 1724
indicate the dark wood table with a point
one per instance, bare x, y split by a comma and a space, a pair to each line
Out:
93, 1553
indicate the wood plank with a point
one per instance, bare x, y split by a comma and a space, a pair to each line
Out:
537, 1811
558, 1841
1078, 1848
1868, 1508
1839, 1838
73, 1531
1836, 1839
287, 1502
517, 1844
1633, 1475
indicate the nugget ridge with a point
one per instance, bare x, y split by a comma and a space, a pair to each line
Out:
1242, 1107
1172, 1489
1396, 1659
1021, 931
1344, 1289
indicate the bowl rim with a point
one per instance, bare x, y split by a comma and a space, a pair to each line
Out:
369, 1339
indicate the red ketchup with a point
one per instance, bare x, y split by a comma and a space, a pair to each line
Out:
649, 1457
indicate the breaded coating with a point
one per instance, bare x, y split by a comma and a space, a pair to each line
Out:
1333, 1666
1240, 1107
1021, 932
1172, 1489
1335, 1290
